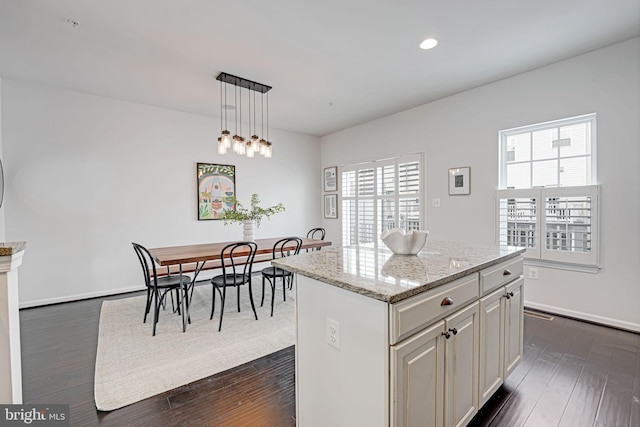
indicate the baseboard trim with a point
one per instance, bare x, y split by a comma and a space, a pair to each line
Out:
78, 297
579, 315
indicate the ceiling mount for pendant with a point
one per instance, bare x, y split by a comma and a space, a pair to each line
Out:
242, 82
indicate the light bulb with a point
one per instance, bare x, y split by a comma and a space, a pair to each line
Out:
240, 146
249, 149
237, 142
255, 143
222, 149
226, 138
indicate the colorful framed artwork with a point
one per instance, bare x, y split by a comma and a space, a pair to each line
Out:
331, 179
459, 181
331, 206
216, 190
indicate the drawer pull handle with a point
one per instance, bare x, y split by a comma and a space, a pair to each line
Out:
447, 335
447, 301
508, 295
454, 331
506, 273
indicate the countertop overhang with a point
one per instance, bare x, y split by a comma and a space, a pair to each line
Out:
374, 271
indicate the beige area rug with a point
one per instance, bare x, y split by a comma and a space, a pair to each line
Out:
132, 365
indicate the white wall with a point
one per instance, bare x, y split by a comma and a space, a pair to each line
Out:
88, 175
462, 130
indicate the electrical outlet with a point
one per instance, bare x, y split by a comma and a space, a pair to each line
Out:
533, 273
333, 333
435, 203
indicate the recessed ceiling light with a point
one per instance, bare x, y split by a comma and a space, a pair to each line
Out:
429, 44
73, 23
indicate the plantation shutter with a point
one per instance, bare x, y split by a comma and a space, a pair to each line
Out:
570, 218
349, 212
378, 196
554, 224
518, 219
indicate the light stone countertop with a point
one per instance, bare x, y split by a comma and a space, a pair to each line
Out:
10, 248
379, 274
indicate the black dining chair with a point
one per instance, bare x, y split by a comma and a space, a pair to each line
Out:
236, 261
283, 247
158, 287
316, 233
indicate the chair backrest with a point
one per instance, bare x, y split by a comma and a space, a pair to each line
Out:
237, 259
316, 233
287, 246
147, 264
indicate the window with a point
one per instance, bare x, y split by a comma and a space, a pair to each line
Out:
380, 195
547, 201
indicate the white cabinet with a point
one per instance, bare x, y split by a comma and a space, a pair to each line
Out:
432, 359
461, 366
501, 328
417, 379
441, 359
491, 344
514, 322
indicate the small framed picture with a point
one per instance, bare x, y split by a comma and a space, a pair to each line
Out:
331, 206
331, 178
459, 181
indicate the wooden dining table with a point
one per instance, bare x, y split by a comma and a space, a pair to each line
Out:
194, 258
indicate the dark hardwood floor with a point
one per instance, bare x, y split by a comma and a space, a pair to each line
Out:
573, 374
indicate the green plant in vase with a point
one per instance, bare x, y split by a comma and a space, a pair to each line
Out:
249, 217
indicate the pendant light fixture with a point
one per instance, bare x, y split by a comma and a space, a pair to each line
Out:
224, 142
238, 141
255, 141
262, 142
268, 150
248, 149
254, 144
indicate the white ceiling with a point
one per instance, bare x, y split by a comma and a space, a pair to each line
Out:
332, 64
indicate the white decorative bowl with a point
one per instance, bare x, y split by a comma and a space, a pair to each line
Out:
401, 243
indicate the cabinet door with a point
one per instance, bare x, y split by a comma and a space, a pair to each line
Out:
491, 344
461, 366
514, 321
417, 369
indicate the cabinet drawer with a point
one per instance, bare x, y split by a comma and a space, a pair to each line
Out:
415, 313
500, 274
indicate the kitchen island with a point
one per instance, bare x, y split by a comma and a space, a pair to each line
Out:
401, 340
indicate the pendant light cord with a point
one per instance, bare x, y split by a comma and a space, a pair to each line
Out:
235, 97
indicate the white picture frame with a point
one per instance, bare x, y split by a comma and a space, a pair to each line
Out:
331, 178
331, 206
460, 181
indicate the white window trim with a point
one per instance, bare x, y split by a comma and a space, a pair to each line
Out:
540, 256
504, 134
